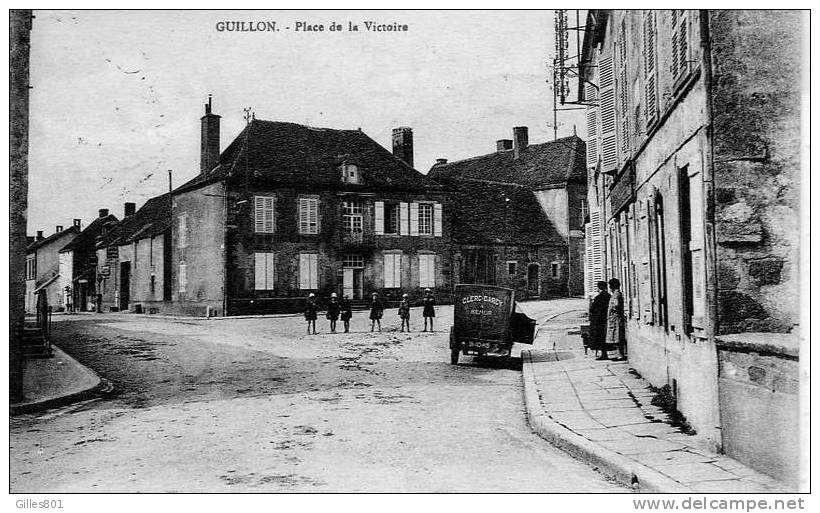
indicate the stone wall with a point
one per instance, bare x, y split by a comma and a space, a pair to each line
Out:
756, 102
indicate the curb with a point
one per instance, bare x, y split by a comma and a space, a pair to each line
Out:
626, 471
63, 400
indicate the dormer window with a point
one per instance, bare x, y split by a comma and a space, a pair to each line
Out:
350, 173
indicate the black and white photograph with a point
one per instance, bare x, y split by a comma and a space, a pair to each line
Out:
551, 251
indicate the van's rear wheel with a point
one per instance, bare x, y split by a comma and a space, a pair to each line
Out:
454, 356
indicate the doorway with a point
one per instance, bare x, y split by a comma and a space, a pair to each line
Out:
125, 285
533, 281
353, 282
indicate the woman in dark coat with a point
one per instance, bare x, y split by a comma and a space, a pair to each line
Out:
404, 312
598, 320
376, 311
310, 311
345, 307
333, 311
429, 311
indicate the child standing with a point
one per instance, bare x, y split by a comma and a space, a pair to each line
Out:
429, 312
404, 312
345, 307
333, 311
376, 311
310, 312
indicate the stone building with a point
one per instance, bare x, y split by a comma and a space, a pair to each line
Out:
287, 210
43, 267
694, 177
517, 215
133, 273
78, 264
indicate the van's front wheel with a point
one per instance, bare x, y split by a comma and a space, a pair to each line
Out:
454, 356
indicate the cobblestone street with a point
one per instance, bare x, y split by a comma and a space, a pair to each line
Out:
232, 405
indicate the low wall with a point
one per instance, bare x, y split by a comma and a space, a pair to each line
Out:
759, 388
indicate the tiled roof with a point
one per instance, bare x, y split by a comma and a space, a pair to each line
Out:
91, 232
293, 154
484, 215
153, 218
51, 238
539, 166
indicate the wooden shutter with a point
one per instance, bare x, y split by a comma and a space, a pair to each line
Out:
680, 44
437, 219
259, 271
313, 217
414, 219
592, 125
596, 236
623, 95
303, 215
304, 271
263, 214
403, 220
264, 271
650, 67
388, 270
182, 278
609, 144
379, 218
423, 271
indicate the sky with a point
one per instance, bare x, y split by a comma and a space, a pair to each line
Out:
117, 96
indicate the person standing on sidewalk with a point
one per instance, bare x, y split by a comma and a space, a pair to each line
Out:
598, 321
376, 311
404, 312
429, 311
616, 323
333, 311
346, 309
310, 312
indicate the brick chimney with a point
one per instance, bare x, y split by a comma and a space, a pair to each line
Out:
520, 140
129, 209
503, 144
209, 149
77, 223
39, 234
403, 144
103, 212
58, 229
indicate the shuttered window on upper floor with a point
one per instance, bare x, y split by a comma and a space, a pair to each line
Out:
264, 214
650, 68
609, 143
592, 125
622, 86
680, 44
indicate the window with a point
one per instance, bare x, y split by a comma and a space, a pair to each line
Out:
309, 215
153, 284
680, 45
182, 278
427, 270
151, 252
555, 270
31, 267
392, 270
112, 252
623, 94
353, 261
609, 143
182, 232
511, 267
263, 214
650, 68
350, 173
391, 218
352, 218
264, 271
425, 217
584, 209
308, 271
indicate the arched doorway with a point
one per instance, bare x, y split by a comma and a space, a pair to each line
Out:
533, 280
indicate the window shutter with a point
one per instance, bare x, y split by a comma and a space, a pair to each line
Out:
592, 125
259, 214
182, 278
597, 257
609, 145
264, 271
650, 68
388, 270
313, 219
403, 219
423, 271
437, 220
379, 218
304, 271
623, 95
303, 215
269, 210
414, 219
182, 240
680, 44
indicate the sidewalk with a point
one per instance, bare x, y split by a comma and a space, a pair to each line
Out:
57, 381
600, 412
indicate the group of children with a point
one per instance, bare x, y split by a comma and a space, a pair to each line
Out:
343, 309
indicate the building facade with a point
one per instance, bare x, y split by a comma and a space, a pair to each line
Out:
290, 210
693, 153
43, 268
78, 264
517, 215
